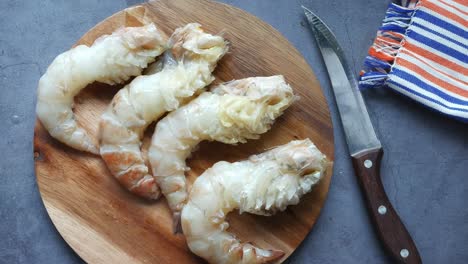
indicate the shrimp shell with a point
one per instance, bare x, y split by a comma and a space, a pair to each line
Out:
262, 185
232, 113
186, 70
111, 59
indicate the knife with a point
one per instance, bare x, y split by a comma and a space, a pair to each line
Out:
364, 146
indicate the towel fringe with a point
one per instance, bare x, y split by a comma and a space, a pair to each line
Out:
387, 44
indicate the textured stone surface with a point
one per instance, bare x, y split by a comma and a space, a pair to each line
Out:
424, 168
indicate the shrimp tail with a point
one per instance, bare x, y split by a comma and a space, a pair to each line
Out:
176, 223
86, 144
70, 133
126, 162
131, 172
247, 252
147, 187
270, 256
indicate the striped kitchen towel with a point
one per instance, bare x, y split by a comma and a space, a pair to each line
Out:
421, 51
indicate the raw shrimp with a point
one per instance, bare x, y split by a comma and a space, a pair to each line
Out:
186, 70
111, 59
262, 185
232, 113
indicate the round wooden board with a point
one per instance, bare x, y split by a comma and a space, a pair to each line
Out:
105, 224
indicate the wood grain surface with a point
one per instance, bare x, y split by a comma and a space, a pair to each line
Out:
104, 223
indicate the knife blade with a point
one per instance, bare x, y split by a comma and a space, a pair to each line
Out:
365, 148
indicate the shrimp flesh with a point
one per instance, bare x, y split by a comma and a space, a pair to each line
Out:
262, 185
111, 59
232, 113
187, 68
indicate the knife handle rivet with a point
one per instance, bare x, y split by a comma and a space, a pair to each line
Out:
368, 164
404, 253
382, 210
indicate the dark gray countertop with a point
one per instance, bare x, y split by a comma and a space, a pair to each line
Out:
425, 166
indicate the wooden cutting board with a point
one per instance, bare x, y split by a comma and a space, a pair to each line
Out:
105, 224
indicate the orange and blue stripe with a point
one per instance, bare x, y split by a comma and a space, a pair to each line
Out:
421, 51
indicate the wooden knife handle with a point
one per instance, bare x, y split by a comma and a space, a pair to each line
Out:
391, 231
